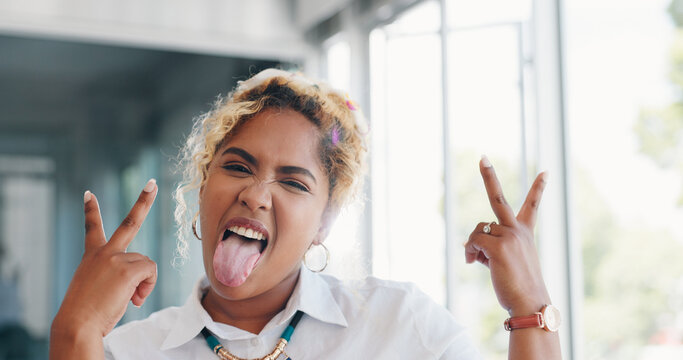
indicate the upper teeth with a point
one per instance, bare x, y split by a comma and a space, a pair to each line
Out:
246, 232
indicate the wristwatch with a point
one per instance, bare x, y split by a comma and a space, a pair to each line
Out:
548, 319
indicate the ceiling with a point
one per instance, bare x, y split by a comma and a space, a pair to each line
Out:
49, 86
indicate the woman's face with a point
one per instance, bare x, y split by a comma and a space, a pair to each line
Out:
267, 180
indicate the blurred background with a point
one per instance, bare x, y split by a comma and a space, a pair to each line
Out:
99, 96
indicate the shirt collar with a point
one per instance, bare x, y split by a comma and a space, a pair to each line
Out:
311, 295
315, 301
191, 319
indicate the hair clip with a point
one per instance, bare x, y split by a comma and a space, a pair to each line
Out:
350, 103
335, 135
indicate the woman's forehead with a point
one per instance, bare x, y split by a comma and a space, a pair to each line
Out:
279, 136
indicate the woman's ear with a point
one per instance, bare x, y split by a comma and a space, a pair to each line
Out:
327, 220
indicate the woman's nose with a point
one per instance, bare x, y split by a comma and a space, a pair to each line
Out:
256, 196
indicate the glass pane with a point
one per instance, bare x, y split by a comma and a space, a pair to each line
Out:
485, 118
26, 238
625, 130
339, 65
480, 12
407, 159
344, 240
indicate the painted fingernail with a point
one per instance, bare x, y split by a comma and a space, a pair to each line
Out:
87, 196
150, 185
485, 161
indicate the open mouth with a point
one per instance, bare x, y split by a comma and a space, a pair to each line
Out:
247, 235
242, 245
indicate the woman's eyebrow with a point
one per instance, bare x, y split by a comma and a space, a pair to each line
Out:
241, 153
297, 170
283, 169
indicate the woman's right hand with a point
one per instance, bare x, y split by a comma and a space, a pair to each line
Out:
107, 277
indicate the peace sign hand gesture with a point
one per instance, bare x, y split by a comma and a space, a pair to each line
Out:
508, 248
107, 277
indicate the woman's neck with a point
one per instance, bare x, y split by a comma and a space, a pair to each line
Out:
254, 313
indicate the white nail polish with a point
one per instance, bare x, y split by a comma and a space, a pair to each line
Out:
87, 196
485, 161
150, 185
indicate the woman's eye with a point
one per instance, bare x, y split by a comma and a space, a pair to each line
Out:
237, 168
295, 184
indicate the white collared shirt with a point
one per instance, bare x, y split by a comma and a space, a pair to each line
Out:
364, 319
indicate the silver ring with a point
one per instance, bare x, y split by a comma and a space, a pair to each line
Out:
487, 227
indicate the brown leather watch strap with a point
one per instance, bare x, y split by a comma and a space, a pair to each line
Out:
523, 322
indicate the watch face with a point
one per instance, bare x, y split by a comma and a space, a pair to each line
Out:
551, 317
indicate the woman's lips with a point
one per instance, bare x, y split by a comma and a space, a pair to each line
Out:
254, 225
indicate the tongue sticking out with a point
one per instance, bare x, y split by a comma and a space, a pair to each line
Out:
234, 259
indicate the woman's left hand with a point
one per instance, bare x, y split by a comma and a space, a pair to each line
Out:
509, 250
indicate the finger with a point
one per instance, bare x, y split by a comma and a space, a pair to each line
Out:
493, 228
472, 253
499, 205
130, 226
479, 247
132, 257
94, 232
483, 259
527, 214
146, 281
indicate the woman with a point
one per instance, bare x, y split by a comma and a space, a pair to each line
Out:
273, 163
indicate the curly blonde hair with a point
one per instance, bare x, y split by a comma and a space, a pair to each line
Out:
341, 126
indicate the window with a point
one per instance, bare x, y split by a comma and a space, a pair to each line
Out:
344, 241
491, 76
27, 212
623, 115
407, 156
488, 110
488, 114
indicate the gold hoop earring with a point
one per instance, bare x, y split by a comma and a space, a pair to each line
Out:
194, 227
307, 261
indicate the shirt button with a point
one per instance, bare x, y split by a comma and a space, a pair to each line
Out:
255, 342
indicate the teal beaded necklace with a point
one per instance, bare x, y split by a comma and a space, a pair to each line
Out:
223, 354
